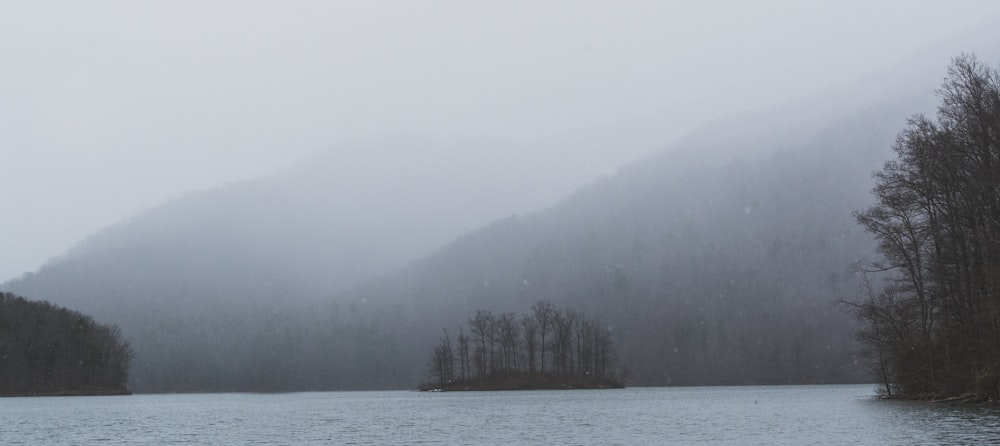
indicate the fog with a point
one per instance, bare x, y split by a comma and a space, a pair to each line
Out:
110, 108
270, 197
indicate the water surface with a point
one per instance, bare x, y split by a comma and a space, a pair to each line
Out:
771, 415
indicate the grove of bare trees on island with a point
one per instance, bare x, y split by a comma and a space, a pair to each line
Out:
931, 308
50, 350
546, 348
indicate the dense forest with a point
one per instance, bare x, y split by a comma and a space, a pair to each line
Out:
506, 352
931, 307
49, 350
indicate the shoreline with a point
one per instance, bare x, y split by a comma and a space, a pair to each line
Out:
122, 392
526, 381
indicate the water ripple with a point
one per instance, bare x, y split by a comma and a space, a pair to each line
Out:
781, 415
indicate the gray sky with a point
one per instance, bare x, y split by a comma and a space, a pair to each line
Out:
108, 108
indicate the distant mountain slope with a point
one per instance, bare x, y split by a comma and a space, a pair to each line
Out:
324, 225
715, 262
175, 276
711, 267
708, 271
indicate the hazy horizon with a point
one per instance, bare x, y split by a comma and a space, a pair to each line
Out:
111, 108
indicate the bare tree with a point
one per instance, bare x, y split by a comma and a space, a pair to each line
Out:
543, 316
933, 324
481, 326
442, 361
508, 335
529, 330
463, 356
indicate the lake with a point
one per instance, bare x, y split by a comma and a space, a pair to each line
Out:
764, 415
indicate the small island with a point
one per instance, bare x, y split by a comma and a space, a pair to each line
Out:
46, 350
547, 349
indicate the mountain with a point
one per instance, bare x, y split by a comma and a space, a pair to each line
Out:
708, 269
192, 281
718, 260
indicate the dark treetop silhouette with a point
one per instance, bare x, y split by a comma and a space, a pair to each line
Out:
50, 350
931, 307
504, 352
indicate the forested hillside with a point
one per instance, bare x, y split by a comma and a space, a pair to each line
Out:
228, 289
707, 273
50, 350
714, 262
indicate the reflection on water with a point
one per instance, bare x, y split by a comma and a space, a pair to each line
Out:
909, 422
782, 415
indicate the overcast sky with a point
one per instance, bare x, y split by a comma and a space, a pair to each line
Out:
108, 108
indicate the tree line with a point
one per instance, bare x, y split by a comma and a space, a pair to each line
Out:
50, 350
546, 341
931, 307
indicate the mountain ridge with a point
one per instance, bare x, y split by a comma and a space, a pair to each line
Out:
190, 302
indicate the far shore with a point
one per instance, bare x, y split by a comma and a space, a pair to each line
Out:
119, 392
526, 381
